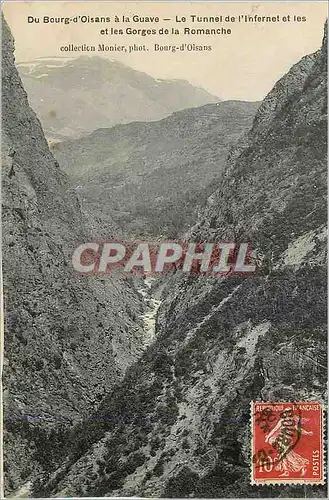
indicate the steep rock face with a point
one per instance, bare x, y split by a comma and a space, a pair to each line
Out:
152, 177
178, 425
75, 96
67, 339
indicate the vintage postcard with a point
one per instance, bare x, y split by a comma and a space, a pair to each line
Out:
164, 249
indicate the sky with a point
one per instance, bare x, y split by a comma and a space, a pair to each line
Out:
244, 65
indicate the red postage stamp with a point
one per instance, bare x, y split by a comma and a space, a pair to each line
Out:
287, 443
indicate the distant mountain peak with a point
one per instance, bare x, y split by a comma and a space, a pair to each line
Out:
90, 92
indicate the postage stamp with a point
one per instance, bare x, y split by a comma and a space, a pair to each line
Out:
287, 443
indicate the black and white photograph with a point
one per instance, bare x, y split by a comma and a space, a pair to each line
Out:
164, 249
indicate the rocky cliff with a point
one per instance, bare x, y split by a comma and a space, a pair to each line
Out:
178, 425
67, 339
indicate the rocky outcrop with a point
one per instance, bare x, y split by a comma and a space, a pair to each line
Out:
178, 425
67, 339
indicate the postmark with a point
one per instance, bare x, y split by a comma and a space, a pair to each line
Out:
287, 443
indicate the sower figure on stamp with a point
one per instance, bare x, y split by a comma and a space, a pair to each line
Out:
291, 461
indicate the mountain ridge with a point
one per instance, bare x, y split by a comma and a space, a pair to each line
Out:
84, 93
154, 176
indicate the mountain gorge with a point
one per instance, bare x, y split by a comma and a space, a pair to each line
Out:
178, 425
95, 408
72, 97
153, 177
